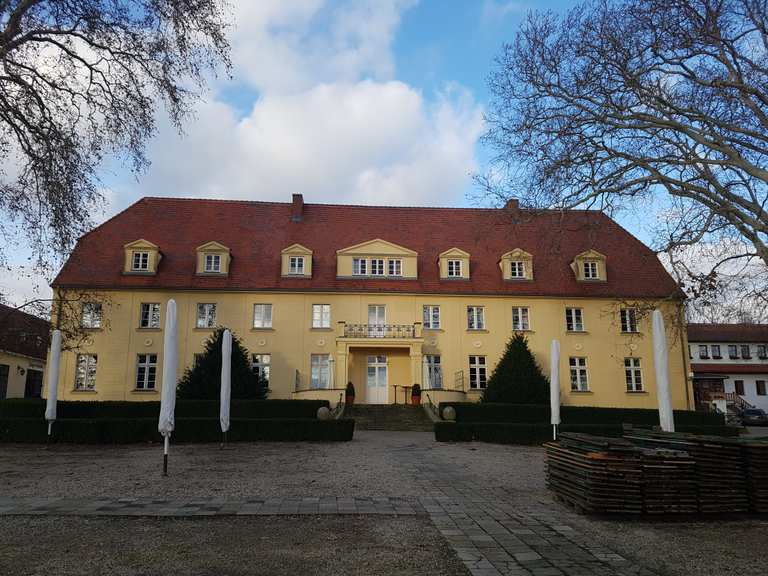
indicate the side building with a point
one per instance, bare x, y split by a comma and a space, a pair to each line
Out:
383, 297
730, 365
23, 345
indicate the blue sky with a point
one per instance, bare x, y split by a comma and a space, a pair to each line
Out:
354, 101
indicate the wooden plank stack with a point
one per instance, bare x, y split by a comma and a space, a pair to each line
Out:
669, 482
756, 462
721, 477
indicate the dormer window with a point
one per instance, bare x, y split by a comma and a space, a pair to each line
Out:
396, 267
359, 267
296, 265
590, 266
377, 259
454, 268
590, 270
213, 262
517, 269
140, 261
377, 267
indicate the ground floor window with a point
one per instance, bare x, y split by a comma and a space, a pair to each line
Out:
85, 374
33, 386
320, 371
477, 373
738, 386
146, 371
760, 387
260, 364
579, 382
633, 374
434, 371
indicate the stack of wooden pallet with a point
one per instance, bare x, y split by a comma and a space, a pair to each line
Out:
756, 462
669, 482
720, 474
595, 475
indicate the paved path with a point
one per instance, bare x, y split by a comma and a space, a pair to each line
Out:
494, 527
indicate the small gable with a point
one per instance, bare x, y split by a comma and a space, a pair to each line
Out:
213, 259
516, 264
377, 247
141, 257
590, 266
454, 264
296, 261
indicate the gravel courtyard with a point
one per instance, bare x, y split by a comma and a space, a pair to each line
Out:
384, 465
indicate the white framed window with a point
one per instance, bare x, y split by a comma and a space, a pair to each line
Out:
520, 320
733, 351
320, 371
762, 351
431, 317
477, 372
146, 371
628, 320
703, 352
746, 352
434, 371
377, 267
262, 315
206, 315
454, 268
140, 261
475, 318
296, 265
149, 315
574, 320
517, 269
359, 266
85, 372
633, 374
591, 270
395, 267
213, 262
579, 380
321, 315
716, 355
260, 365
91, 315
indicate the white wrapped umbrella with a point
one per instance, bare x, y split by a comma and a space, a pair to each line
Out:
661, 364
226, 381
165, 423
554, 386
53, 379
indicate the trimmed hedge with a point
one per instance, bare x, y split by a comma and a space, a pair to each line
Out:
128, 430
539, 414
65, 409
537, 433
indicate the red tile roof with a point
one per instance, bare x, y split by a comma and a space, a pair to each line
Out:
729, 368
23, 333
256, 232
728, 332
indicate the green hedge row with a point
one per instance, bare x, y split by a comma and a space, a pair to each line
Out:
35, 408
540, 414
537, 433
129, 430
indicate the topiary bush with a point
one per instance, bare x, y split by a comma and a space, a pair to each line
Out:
517, 378
203, 380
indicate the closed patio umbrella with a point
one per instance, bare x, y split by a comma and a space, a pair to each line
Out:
661, 364
554, 387
226, 381
53, 379
168, 395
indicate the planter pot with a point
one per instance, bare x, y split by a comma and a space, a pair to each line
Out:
416, 400
350, 400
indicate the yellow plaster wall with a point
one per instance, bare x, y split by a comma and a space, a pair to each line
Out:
17, 381
291, 341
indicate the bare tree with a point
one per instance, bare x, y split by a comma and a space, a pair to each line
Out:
79, 84
660, 105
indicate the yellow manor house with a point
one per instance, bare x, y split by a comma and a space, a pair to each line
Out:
383, 297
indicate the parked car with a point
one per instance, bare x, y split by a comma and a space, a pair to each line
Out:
754, 417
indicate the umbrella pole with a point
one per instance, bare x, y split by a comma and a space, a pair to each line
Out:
165, 455
554, 431
50, 423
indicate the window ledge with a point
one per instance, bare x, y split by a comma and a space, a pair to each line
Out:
147, 329
637, 392
525, 330
323, 329
478, 330
454, 278
138, 391
265, 329
432, 329
84, 329
582, 392
576, 332
204, 329
138, 272
637, 333
518, 279
77, 391
301, 276
476, 390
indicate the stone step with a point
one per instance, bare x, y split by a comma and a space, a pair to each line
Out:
389, 417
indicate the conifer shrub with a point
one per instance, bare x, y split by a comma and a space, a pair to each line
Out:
517, 378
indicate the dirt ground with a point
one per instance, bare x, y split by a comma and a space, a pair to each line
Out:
286, 545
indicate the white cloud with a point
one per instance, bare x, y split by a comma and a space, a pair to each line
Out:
21, 284
494, 11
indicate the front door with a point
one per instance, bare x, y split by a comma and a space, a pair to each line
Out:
377, 318
376, 382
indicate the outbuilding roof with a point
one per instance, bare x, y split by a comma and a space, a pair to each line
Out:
728, 333
22, 333
257, 232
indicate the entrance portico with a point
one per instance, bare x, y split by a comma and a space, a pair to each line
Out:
378, 359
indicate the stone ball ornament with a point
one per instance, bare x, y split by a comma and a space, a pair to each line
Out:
323, 413
449, 413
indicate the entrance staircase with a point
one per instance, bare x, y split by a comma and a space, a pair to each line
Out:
389, 417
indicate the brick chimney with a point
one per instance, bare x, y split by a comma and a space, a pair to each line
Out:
297, 208
512, 204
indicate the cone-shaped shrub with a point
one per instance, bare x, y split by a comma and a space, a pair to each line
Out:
203, 380
517, 378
